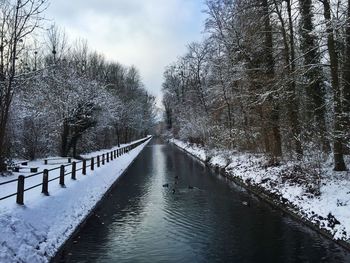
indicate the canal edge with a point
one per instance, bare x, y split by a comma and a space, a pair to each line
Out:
264, 195
60, 251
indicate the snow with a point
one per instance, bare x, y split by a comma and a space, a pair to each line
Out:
330, 210
34, 232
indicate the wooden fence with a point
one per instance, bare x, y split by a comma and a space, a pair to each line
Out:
97, 161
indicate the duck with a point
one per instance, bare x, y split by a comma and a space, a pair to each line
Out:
173, 191
190, 187
165, 185
246, 203
176, 177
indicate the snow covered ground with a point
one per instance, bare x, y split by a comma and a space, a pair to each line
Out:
34, 232
321, 197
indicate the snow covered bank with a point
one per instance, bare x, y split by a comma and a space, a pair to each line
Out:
322, 198
34, 232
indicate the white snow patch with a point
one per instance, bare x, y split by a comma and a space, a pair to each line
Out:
34, 232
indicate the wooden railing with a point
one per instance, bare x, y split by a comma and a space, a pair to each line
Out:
86, 163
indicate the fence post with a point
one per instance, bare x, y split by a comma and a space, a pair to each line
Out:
107, 157
98, 161
62, 176
20, 190
92, 164
103, 159
74, 168
115, 154
111, 155
84, 167
69, 160
45, 188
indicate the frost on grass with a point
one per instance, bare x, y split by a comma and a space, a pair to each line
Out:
317, 194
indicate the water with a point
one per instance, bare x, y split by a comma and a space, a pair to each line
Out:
142, 221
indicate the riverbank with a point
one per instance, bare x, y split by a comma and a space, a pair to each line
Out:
320, 198
35, 232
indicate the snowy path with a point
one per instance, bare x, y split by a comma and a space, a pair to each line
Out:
12, 187
34, 232
335, 187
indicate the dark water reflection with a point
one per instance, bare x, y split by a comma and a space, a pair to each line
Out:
141, 221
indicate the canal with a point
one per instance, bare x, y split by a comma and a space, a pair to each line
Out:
200, 217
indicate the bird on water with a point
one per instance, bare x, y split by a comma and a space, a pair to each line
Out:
246, 203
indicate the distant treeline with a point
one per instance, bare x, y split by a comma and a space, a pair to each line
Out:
59, 97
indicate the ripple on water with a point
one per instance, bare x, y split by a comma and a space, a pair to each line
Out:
145, 222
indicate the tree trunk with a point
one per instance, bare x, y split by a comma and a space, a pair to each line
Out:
118, 136
346, 75
315, 100
75, 142
64, 138
3, 166
294, 104
339, 164
230, 119
274, 117
289, 54
7, 94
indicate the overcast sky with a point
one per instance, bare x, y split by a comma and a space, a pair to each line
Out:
149, 34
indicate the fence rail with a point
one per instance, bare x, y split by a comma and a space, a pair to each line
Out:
98, 160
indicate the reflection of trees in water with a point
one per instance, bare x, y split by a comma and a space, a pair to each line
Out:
206, 223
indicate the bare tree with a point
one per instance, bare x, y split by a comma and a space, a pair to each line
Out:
274, 108
56, 43
339, 164
315, 101
288, 36
19, 20
346, 73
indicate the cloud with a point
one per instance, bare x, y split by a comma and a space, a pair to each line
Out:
149, 34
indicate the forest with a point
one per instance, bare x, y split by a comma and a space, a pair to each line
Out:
58, 97
269, 77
